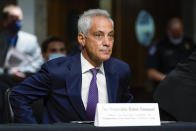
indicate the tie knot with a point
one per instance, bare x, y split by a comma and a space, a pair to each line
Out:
94, 71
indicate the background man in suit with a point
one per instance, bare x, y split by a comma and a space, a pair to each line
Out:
71, 86
24, 43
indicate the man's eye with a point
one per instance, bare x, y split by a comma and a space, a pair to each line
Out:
53, 50
62, 49
111, 35
98, 35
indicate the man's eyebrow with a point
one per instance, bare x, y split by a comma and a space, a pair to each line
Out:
99, 31
111, 31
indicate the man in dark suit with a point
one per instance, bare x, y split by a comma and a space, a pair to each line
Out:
69, 85
176, 94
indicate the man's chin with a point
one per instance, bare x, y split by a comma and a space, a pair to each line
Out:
105, 57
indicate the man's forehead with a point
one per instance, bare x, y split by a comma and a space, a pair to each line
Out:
56, 43
101, 23
100, 18
16, 12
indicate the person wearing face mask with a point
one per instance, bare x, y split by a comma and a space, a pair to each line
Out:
24, 43
163, 56
53, 47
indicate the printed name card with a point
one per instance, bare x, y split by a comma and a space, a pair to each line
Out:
127, 114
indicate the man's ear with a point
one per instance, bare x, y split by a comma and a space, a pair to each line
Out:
45, 56
81, 39
5, 23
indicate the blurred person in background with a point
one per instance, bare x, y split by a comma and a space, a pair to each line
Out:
164, 56
53, 47
21, 43
176, 94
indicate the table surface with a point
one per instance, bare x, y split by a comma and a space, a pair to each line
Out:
174, 126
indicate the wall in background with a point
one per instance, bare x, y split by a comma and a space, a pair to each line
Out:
106, 5
189, 17
35, 17
28, 7
194, 19
41, 19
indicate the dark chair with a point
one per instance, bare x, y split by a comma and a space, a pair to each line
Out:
8, 109
37, 108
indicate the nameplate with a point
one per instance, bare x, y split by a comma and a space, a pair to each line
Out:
127, 114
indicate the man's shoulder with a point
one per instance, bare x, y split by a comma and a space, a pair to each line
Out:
26, 35
188, 39
159, 44
163, 42
117, 61
26, 39
64, 60
2, 36
117, 64
59, 60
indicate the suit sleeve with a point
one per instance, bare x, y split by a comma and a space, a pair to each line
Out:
126, 95
23, 95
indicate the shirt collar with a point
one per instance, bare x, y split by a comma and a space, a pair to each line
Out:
86, 66
11, 39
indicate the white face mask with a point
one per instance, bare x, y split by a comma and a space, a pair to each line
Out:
53, 56
175, 41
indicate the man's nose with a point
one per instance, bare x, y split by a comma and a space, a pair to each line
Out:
106, 41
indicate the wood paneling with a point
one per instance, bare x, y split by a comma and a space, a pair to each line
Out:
63, 14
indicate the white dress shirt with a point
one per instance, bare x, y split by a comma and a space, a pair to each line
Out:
86, 79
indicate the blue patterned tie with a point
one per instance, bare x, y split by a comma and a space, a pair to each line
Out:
92, 96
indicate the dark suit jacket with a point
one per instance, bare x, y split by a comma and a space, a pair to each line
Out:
59, 82
176, 94
3, 48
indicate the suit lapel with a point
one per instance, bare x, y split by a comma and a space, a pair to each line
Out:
74, 81
111, 80
4, 45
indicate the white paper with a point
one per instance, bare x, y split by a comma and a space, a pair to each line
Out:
127, 114
16, 58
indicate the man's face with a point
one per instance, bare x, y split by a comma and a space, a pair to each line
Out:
54, 47
15, 14
98, 44
175, 29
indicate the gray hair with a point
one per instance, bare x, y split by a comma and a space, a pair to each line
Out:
84, 22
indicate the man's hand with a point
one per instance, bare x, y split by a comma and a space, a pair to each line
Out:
155, 75
17, 76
